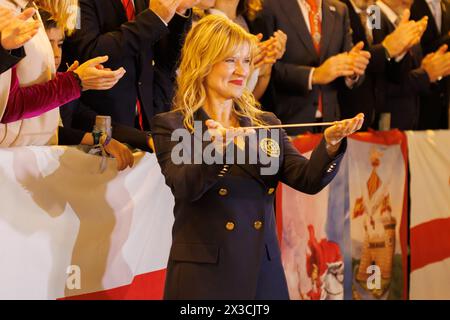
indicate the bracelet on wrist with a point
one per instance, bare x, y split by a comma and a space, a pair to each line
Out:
105, 141
77, 77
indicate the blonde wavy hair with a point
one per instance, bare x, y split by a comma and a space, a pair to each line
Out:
213, 39
64, 12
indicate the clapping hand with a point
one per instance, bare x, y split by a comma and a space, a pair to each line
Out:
406, 34
16, 30
360, 58
94, 76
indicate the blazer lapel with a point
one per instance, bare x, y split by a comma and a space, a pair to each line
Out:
328, 20
425, 9
295, 16
386, 28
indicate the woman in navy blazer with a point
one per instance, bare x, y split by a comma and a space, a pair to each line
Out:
224, 243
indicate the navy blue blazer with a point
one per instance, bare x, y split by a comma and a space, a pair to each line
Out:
224, 241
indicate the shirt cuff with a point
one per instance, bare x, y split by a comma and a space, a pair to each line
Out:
400, 57
350, 81
310, 78
187, 16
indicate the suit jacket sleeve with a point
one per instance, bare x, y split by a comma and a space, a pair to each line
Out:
292, 77
409, 76
129, 39
131, 136
308, 176
167, 55
347, 41
167, 52
187, 181
79, 118
436, 44
10, 58
378, 61
69, 137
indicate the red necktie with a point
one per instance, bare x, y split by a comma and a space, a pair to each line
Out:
129, 10
315, 24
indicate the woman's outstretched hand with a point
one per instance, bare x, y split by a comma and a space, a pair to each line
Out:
222, 136
341, 129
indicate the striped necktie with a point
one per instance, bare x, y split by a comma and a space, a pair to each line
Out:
315, 23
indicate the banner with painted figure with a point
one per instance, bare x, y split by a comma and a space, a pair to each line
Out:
429, 158
377, 181
314, 235
69, 231
329, 240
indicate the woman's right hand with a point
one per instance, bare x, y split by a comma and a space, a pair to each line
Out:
94, 76
222, 136
16, 30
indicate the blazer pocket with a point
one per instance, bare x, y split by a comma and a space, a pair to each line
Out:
192, 252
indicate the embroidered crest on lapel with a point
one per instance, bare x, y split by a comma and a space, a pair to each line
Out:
270, 147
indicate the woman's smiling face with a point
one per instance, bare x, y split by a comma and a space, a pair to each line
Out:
228, 78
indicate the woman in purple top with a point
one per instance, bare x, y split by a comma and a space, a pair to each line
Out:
31, 101
33, 89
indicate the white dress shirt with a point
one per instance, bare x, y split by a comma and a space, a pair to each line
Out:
436, 10
304, 9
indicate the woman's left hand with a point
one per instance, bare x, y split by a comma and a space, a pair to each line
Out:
333, 135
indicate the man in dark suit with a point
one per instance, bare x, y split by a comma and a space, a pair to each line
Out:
141, 38
370, 96
415, 75
316, 62
434, 106
387, 45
